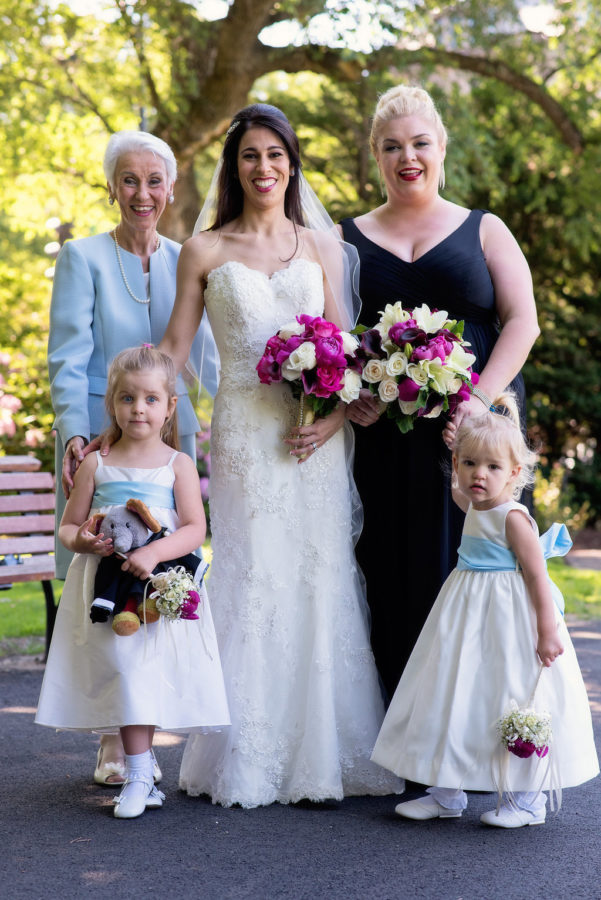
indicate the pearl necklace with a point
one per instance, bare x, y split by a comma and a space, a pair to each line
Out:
146, 301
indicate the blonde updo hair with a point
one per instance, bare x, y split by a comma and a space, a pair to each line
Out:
501, 433
141, 359
405, 100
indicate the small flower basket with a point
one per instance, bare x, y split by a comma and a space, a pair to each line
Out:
318, 360
417, 363
523, 731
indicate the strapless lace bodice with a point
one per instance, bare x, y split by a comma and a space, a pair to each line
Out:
246, 307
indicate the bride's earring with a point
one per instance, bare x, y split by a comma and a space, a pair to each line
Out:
441, 177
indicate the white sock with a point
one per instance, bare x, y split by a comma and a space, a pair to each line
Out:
138, 764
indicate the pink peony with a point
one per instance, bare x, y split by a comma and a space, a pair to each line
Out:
329, 379
316, 327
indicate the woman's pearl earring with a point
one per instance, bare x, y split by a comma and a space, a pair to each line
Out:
111, 200
171, 198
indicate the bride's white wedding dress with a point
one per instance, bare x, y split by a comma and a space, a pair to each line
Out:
285, 592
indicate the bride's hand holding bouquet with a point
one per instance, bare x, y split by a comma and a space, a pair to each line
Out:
319, 361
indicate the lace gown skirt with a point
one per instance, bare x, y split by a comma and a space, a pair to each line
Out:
300, 675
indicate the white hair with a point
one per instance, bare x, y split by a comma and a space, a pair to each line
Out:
136, 142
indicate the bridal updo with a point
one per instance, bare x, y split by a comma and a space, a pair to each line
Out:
404, 100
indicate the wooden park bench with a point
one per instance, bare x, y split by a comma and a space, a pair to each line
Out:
27, 528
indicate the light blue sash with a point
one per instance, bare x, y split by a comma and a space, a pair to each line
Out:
117, 493
482, 555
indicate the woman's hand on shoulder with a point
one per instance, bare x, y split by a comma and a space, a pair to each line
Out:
72, 459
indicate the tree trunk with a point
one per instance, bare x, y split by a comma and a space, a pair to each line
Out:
179, 218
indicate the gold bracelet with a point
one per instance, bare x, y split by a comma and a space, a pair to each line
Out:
482, 396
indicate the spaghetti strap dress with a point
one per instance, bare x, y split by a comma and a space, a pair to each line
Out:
167, 674
410, 520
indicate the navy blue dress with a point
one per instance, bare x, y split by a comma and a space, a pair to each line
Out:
412, 528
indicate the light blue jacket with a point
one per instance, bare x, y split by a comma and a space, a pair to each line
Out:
93, 317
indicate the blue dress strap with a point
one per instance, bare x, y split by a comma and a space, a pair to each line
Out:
117, 493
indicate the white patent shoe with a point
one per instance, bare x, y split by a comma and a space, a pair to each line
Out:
425, 808
132, 803
512, 817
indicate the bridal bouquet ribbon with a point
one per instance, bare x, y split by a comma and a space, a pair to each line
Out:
417, 363
317, 359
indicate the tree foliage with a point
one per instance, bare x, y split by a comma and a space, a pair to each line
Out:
521, 104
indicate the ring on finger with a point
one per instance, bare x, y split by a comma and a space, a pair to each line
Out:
314, 445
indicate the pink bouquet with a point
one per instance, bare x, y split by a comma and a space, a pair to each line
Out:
417, 363
318, 360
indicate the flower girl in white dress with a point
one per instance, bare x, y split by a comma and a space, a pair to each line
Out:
166, 675
495, 623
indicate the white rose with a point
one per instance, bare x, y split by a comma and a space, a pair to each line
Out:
388, 390
352, 386
418, 372
373, 371
289, 329
429, 321
349, 343
396, 364
300, 359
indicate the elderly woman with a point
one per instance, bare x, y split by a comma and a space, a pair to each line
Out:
111, 291
419, 248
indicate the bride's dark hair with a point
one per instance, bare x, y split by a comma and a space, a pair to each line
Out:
230, 197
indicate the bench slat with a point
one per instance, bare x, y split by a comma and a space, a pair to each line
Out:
18, 503
36, 568
26, 481
35, 544
19, 464
31, 524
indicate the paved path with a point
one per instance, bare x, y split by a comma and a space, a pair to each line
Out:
58, 837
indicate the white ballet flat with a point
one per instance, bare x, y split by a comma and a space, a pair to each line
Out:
512, 817
425, 808
130, 806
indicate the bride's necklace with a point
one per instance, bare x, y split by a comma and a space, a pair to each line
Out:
146, 300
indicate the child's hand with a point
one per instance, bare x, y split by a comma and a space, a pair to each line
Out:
87, 541
141, 562
549, 647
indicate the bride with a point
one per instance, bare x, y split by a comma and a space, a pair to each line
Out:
285, 590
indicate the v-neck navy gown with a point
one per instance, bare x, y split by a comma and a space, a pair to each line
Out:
412, 528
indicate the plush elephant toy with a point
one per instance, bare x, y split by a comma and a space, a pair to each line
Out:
119, 593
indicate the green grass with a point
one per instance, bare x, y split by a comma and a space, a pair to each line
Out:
23, 612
